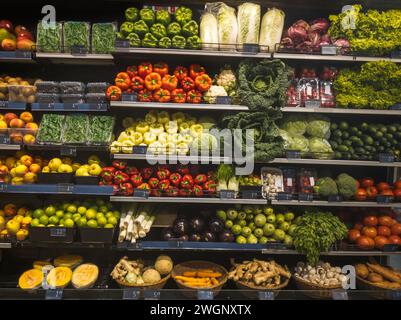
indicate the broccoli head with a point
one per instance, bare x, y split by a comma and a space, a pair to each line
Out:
347, 185
326, 187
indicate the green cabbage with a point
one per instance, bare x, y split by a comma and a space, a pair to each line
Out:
294, 124
299, 143
287, 139
318, 127
320, 148
248, 23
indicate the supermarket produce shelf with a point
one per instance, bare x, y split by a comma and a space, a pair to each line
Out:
337, 162
73, 189
319, 203
68, 150
321, 57
5, 245
178, 106
85, 107
67, 58
342, 111
172, 158
17, 56
10, 147
9, 105
188, 200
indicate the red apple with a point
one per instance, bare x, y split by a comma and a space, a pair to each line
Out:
18, 29
24, 35
7, 24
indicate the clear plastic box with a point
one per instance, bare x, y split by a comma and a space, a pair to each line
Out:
293, 95
75, 129
72, 87
327, 94
272, 182
308, 89
49, 39
103, 37
51, 128
73, 98
47, 97
48, 87
97, 87
95, 98
100, 130
76, 33
18, 93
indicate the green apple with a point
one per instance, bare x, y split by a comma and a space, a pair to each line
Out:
35, 222
91, 214
221, 214
112, 220
236, 229
250, 217
252, 226
280, 218
289, 216
291, 231
92, 224
258, 232
260, 220
69, 223
44, 220
271, 218
241, 223
67, 216
54, 220
99, 215
285, 226
81, 223
246, 231
38, 213
240, 240
252, 239
257, 210
229, 224
102, 221
288, 240
279, 235
81, 210
247, 209
59, 214
241, 215
232, 214
72, 208
268, 211
268, 229
103, 209
109, 214
76, 217
262, 240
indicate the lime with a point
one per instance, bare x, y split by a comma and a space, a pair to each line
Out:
102, 221
109, 214
99, 215
91, 214
92, 224
81, 210
69, 223
54, 220
72, 208
44, 220
109, 226
103, 209
59, 214
38, 213
35, 222
81, 223
112, 220
76, 217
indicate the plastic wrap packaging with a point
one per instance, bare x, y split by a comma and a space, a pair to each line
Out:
103, 37
271, 29
248, 23
48, 87
227, 24
47, 97
209, 32
76, 34
49, 39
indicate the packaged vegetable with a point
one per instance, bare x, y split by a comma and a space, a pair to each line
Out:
103, 37
49, 39
75, 128
47, 97
72, 98
47, 87
51, 128
209, 31
318, 126
97, 87
248, 23
100, 130
320, 148
271, 29
76, 34
67, 87
95, 98
20, 93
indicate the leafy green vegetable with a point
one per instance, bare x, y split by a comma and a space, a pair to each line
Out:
326, 187
318, 126
76, 34
316, 232
103, 37
294, 124
100, 129
75, 128
299, 143
320, 148
49, 40
347, 185
51, 128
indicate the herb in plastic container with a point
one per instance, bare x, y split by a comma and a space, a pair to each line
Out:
76, 34
103, 37
51, 128
100, 130
49, 39
75, 129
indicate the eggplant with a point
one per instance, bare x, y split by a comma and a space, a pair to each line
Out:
208, 236
226, 236
180, 227
197, 224
216, 225
167, 234
196, 237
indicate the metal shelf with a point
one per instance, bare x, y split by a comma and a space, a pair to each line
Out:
10, 147
319, 203
342, 111
74, 189
172, 158
187, 200
337, 162
178, 106
67, 58
18, 56
320, 57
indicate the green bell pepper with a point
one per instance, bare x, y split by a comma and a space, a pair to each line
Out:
147, 15
165, 43
163, 16
174, 29
134, 40
179, 42
126, 28
132, 14
158, 30
194, 42
190, 29
183, 15
141, 28
149, 41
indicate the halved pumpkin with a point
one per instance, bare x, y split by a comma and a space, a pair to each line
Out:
31, 279
59, 277
69, 260
85, 276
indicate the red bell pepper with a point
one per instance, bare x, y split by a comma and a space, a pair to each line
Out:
161, 68
181, 169
164, 184
144, 186
172, 191
144, 69
155, 193
119, 164
210, 186
175, 179
197, 189
200, 179
146, 173
203, 82
153, 183
187, 181
145, 96
130, 170
196, 70
132, 71
137, 83
184, 192
126, 189
169, 82
188, 84
120, 177
181, 72
161, 95
123, 80
136, 180
113, 93
107, 173
163, 173
194, 96
178, 96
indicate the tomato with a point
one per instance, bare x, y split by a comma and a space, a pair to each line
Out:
367, 182
380, 241
353, 235
397, 184
365, 243
370, 221
397, 193
370, 232
384, 231
371, 192
394, 240
361, 195
383, 186
396, 229
386, 221
358, 226
387, 192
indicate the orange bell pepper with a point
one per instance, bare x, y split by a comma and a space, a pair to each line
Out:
203, 82
181, 72
194, 96
169, 82
123, 80
145, 96
179, 96
196, 70
113, 93
161, 68
153, 81
144, 69
161, 95
137, 84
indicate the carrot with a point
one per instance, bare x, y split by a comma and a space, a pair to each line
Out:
214, 281
189, 274
208, 274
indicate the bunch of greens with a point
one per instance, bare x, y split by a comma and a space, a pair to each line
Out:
316, 232
49, 39
375, 33
103, 37
75, 128
375, 85
100, 129
51, 128
76, 34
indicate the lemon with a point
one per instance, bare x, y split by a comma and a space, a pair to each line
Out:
50, 211
38, 213
59, 214
69, 223
72, 208
92, 224
81, 210
102, 221
91, 214
112, 220
81, 223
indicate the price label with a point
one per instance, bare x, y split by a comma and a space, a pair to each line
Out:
3, 187
386, 157
394, 295
68, 151
136, 246
305, 197
396, 107
284, 196
139, 193
223, 100
58, 232
266, 295
139, 149
121, 44
79, 50
54, 294
390, 247
4, 139
131, 294
250, 194
396, 54
151, 295
65, 188
334, 198
250, 48
175, 243
293, 154
129, 97
312, 103
3, 104
227, 194
23, 54
98, 107
205, 295
329, 50
384, 199
340, 295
